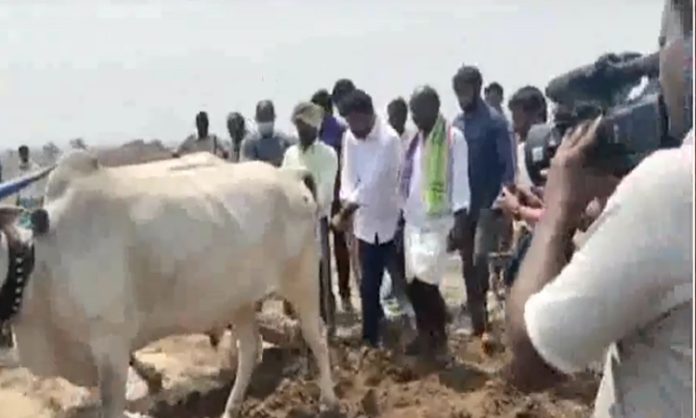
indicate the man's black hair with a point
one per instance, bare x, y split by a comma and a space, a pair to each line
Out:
342, 88
23, 148
427, 93
235, 116
398, 104
264, 103
357, 101
202, 116
531, 100
469, 74
494, 86
323, 98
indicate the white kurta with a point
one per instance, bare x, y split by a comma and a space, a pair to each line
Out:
425, 236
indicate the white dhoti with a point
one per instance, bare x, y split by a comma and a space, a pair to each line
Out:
425, 250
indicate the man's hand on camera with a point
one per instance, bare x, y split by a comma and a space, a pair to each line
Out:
572, 184
527, 197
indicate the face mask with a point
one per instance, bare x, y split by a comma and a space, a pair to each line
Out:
265, 128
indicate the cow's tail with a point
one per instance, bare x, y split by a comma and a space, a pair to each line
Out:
308, 180
305, 176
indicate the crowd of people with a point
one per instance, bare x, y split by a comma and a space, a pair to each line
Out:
405, 199
396, 202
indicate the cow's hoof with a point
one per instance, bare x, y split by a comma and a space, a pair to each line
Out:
234, 413
329, 404
487, 344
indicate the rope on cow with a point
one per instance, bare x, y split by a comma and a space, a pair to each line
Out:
12, 292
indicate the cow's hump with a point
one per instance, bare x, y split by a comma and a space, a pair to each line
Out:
76, 164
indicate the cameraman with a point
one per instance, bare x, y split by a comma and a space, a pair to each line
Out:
629, 288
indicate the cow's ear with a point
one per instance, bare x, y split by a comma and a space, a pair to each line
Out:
9, 214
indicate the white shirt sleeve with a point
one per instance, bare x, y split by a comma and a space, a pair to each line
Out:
383, 176
635, 265
461, 194
349, 178
328, 177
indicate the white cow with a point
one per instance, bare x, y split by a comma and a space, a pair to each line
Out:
126, 256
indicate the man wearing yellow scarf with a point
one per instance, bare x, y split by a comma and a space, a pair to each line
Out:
435, 188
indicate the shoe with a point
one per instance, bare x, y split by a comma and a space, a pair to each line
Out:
441, 354
417, 347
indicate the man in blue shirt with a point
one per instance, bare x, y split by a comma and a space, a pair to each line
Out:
490, 167
267, 143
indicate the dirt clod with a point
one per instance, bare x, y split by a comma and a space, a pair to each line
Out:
369, 403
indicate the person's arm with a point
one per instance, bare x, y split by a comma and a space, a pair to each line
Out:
327, 181
530, 215
184, 147
222, 148
562, 316
288, 159
248, 150
349, 178
504, 145
461, 193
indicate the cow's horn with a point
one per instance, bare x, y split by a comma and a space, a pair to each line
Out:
39, 221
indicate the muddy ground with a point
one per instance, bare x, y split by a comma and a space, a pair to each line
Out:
369, 383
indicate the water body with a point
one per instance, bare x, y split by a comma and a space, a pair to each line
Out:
114, 71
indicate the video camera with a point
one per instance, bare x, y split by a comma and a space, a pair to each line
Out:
632, 128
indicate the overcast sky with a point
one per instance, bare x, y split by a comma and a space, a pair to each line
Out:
114, 71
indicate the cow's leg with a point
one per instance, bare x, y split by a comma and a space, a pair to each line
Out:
308, 312
247, 333
111, 356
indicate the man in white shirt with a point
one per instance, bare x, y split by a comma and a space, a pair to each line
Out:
528, 107
435, 188
320, 159
627, 293
369, 191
